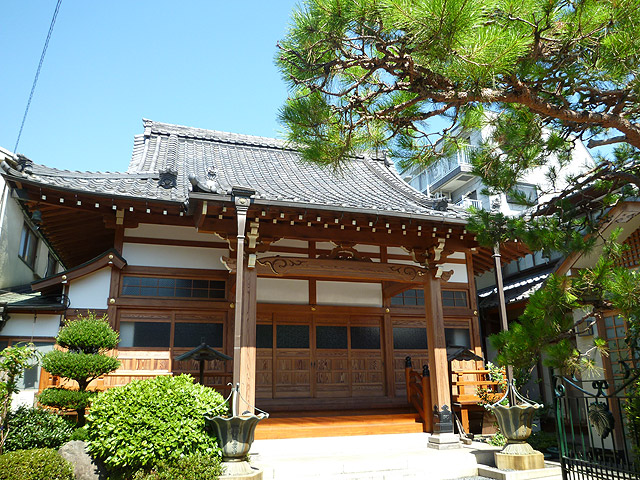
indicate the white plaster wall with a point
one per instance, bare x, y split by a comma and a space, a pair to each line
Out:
288, 242
279, 254
171, 232
349, 294
281, 290
22, 325
458, 256
367, 248
13, 271
396, 251
91, 291
325, 245
174, 256
459, 271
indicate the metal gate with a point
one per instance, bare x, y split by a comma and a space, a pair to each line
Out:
594, 438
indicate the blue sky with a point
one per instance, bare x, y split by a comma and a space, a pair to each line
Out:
206, 64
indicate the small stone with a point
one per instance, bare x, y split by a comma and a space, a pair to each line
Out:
84, 466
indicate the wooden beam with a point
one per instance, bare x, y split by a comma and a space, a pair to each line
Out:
334, 269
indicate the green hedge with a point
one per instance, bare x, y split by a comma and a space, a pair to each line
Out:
147, 421
191, 467
36, 428
36, 464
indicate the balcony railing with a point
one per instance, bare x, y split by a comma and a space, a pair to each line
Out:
443, 167
469, 202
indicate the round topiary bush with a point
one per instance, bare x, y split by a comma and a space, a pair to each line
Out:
36, 464
36, 428
147, 421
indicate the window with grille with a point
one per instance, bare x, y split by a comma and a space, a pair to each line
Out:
454, 298
615, 332
631, 256
173, 287
414, 297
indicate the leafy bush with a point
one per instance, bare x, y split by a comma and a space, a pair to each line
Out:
79, 434
146, 421
542, 440
191, 467
36, 428
632, 410
37, 464
88, 334
63, 398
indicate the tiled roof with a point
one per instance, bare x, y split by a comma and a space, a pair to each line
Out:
26, 300
214, 162
515, 291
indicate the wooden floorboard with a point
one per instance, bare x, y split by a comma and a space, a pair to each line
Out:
332, 424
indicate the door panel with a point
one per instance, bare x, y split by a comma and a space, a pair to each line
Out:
293, 373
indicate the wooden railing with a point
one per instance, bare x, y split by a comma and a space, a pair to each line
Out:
464, 392
419, 393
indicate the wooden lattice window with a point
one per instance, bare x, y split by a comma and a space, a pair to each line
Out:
631, 256
615, 332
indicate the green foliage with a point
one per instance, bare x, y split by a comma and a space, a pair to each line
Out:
80, 434
497, 440
368, 73
37, 464
547, 327
87, 339
13, 362
632, 411
88, 334
81, 367
136, 425
542, 440
191, 467
65, 399
36, 428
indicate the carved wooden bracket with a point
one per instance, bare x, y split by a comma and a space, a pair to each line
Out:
333, 269
344, 252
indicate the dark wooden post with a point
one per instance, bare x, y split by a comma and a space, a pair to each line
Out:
407, 378
426, 399
244, 339
443, 436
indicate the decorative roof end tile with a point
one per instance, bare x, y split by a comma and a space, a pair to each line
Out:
25, 165
168, 178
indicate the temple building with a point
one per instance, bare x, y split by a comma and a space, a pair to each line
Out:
318, 283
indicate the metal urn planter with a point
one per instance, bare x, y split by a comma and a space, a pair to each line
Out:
235, 436
515, 424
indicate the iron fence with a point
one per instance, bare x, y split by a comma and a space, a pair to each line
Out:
594, 438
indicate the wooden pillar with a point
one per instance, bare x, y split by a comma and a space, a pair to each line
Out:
247, 361
244, 338
438, 366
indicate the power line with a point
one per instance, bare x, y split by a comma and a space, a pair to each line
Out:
35, 80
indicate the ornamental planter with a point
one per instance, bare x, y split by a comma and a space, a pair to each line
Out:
515, 424
235, 435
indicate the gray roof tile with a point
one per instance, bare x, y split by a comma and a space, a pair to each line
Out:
217, 161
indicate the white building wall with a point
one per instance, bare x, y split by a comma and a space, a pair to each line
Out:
283, 290
13, 271
91, 291
174, 256
349, 294
169, 232
26, 325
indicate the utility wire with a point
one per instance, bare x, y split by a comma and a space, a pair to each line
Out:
35, 80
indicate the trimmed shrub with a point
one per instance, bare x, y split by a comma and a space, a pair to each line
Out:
63, 398
88, 334
147, 421
78, 366
36, 428
36, 464
87, 340
191, 467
